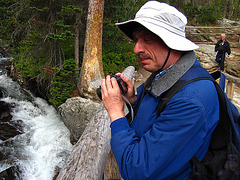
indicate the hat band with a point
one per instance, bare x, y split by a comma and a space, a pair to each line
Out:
162, 24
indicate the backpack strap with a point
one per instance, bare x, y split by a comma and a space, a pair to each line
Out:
221, 134
166, 96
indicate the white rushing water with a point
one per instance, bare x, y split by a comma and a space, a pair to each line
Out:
44, 144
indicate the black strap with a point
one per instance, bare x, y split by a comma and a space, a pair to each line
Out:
193, 163
170, 93
166, 60
221, 135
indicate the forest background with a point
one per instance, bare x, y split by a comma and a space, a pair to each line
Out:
46, 37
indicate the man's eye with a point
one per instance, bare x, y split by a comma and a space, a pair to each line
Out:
148, 40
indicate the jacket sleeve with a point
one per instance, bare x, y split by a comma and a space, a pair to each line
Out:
228, 48
216, 46
167, 147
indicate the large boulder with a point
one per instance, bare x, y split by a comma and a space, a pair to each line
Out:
233, 69
205, 54
76, 112
233, 65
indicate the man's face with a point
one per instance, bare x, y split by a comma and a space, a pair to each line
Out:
151, 50
223, 36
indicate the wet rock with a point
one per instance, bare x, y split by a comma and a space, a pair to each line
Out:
1, 94
5, 112
11, 173
8, 129
1, 156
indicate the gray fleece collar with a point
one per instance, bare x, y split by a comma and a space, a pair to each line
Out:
173, 75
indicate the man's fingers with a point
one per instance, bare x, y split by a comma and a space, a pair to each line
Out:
103, 87
108, 83
114, 83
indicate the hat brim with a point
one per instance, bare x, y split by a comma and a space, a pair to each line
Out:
171, 39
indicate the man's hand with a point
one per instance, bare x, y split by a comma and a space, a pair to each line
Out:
130, 95
112, 98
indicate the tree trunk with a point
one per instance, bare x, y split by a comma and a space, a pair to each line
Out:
77, 29
225, 8
92, 69
236, 15
230, 9
193, 2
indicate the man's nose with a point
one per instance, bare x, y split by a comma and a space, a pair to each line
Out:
138, 47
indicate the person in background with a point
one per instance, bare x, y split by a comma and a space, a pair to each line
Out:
152, 146
221, 48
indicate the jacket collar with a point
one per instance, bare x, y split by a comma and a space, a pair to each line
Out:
172, 75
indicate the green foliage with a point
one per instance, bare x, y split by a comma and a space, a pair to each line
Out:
60, 37
28, 67
68, 48
202, 15
114, 62
208, 15
42, 32
117, 49
7, 23
190, 11
71, 8
39, 9
63, 83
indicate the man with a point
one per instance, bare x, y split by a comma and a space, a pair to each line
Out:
222, 47
152, 146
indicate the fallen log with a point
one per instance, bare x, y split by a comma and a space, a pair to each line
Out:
90, 154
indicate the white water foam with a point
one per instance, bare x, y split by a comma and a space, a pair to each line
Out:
45, 143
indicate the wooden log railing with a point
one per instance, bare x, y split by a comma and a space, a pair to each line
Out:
231, 82
229, 31
212, 27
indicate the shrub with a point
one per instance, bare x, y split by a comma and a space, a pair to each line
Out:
204, 15
114, 62
208, 15
63, 83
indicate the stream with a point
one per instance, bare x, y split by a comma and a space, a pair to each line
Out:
34, 142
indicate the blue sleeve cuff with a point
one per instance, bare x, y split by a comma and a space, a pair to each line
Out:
119, 125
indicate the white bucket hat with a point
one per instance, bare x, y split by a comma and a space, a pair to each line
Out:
163, 20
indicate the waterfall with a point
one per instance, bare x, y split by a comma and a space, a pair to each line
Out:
43, 144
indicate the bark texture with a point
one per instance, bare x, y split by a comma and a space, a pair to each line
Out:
92, 68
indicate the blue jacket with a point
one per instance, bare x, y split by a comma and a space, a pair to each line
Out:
161, 147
